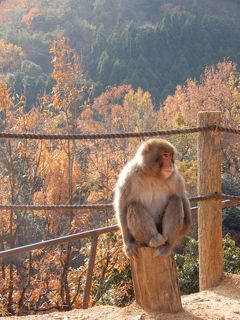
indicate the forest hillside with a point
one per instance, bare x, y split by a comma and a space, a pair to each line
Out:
154, 45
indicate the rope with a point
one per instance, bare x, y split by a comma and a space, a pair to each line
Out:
102, 205
94, 136
10, 135
228, 130
55, 207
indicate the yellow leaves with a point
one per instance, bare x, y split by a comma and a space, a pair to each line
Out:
22, 151
138, 113
11, 56
188, 169
179, 120
5, 100
30, 120
140, 99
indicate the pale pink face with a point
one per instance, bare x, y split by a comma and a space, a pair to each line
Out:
167, 165
167, 161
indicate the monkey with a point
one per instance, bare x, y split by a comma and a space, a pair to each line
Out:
150, 201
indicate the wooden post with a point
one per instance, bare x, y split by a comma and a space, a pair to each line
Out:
86, 294
155, 282
210, 211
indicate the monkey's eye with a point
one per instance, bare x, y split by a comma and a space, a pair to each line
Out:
167, 155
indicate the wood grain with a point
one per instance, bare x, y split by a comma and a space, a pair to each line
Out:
156, 282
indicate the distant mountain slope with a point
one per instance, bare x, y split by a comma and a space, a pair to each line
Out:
153, 44
136, 10
8, 6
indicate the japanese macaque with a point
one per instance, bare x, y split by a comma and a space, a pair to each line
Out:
150, 200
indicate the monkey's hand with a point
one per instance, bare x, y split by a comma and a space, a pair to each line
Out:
130, 249
157, 241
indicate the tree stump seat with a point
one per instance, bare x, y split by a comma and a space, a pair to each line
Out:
155, 282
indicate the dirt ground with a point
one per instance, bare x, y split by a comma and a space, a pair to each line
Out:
219, 303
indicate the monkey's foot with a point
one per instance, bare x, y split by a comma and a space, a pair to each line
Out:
164, 250
130, 249
157, 241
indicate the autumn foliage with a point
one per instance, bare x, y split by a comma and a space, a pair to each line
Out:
82, 172
11, 57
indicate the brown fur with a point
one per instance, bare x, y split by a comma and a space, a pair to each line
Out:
150, 201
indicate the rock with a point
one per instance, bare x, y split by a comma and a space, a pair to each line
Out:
139, 317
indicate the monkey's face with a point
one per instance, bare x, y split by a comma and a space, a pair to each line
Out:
167, 164
157, 157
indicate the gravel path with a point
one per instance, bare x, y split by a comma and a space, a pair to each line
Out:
220, 303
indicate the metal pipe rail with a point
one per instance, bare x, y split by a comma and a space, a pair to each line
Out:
85, 234
58, 241
94, 234
66, 239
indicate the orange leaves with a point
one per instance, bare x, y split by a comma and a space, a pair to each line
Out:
108, 106
67, 172
116, 110
111, 281
10, 5
80, 222
215, 91
123, 109
218, 89
87, 114
68, 74
54, 169
37, 252
32, 13
113, 96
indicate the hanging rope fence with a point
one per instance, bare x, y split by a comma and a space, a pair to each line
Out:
91, 136
102, 206
94, 136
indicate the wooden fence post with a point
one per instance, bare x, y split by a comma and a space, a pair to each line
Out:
155, 282
210, 211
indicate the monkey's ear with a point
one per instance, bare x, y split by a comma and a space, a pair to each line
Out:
146, 149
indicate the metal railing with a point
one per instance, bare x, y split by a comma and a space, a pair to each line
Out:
94, 234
